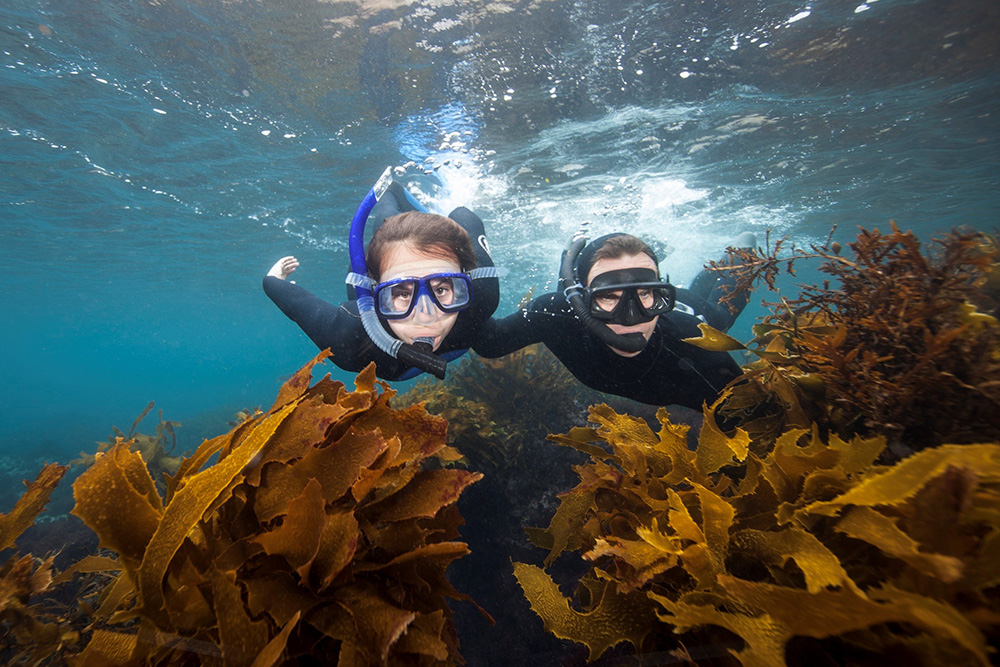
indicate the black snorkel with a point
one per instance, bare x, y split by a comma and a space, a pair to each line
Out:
420, 353
633, 342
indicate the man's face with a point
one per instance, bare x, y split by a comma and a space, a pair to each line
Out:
640, 261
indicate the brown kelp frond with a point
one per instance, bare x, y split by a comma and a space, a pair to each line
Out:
317, 528
813, 540
494, 406
28, 633
30, 504
156, 450
898, 345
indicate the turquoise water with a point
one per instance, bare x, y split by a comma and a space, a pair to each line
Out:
157, 157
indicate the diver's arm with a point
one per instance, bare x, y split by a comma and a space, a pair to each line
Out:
710, 287
534, 324
324, 323
716, 315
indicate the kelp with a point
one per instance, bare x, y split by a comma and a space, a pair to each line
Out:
719, 547
153, 448
28, 633
904, 344
495, 406
849, 506
321, 528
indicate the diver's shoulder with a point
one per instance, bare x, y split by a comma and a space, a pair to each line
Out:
553, 302
680, 324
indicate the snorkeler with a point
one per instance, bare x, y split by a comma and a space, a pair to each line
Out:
419, 294
617, 326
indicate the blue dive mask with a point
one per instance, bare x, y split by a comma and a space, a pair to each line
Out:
448, 292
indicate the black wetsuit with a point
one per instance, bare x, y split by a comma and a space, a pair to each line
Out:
668, 371
339, 327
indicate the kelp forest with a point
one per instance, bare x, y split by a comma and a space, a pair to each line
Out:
839, 504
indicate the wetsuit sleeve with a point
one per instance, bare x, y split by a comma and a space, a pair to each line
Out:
718, 316
394, 200
327, 325
537, 323
705, 297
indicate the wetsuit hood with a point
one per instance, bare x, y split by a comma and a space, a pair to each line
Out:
585, 260
573, 290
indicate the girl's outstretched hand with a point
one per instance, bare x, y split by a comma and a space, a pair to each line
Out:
284, 267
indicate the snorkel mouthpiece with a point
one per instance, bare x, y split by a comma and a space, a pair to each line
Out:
420, 354
633, 342
424, 343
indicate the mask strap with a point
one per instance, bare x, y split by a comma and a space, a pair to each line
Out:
488, 272
359, 280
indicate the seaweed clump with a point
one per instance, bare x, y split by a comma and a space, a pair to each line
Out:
159, 460
499, 414
496, 407
29, 633
905, 343
320, 529
849, 513
811, 549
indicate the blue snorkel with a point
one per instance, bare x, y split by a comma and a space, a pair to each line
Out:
420, 354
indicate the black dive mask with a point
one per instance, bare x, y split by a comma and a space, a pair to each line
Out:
629, 296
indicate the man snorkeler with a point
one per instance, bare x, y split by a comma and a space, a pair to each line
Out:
618, 326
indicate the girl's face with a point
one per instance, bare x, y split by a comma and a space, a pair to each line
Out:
403, 260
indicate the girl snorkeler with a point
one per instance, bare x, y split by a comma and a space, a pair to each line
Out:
425, 286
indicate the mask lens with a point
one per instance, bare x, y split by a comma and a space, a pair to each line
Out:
443, 290
661, 299
396, 298
604, 302
451, 292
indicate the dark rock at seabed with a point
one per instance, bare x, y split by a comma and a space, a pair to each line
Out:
64, 536
496, 510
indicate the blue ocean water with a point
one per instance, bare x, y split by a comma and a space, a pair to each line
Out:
157, 157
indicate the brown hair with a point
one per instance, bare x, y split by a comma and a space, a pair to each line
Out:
619, 246
433, 234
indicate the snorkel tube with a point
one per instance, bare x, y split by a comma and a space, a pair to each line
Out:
574, 291
420, 354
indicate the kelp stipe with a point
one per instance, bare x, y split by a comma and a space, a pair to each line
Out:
320, 531
742, 554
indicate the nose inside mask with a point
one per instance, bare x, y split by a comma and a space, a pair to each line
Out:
426, 311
